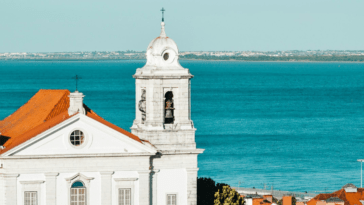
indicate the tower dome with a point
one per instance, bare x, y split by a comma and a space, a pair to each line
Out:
162, 53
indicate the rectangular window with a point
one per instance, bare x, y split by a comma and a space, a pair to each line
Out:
30, 198
171, 199
78, 196
124, 197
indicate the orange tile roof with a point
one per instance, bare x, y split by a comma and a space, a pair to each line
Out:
15, 141
349, 198
44, 110
33, 113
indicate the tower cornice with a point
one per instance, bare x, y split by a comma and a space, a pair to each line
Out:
162, 77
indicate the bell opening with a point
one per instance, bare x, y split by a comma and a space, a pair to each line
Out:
169, 108
143, 106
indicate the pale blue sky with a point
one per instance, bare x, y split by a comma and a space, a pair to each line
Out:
204, 25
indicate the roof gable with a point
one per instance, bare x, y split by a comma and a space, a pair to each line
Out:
98, 139
44, 110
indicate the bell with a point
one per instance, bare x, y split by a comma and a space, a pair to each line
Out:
169, 114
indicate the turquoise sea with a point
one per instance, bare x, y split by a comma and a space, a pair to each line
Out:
299, 126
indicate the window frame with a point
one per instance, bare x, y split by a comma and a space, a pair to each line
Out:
172, 193
85, 181
31, 186
124, 183
36, 197
85, 141
77, 194
124, 193
78, 136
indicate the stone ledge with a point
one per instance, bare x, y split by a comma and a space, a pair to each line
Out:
125, 179
32, 182
51, 174
186, 151
77, 155
106, 173
151, 76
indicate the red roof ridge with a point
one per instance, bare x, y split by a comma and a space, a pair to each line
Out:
62, 103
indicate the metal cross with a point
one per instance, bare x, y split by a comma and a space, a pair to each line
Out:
76, 78
162, 10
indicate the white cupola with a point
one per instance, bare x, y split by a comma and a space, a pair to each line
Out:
162, 53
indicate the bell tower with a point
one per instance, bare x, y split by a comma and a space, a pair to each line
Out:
163, 98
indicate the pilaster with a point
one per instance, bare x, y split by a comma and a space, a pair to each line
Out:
51, 188
192, 186
10, 188
106, 189
154, 186
144, 187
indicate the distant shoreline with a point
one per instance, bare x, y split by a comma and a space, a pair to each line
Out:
227, 60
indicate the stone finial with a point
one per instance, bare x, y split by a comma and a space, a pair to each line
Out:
163, 32
76, 103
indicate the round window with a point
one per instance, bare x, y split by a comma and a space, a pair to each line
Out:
77, 137
166, 56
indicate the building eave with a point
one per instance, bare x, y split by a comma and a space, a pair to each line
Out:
135, 154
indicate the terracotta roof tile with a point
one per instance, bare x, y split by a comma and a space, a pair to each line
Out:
349, 198
44, 110
34, 112
35, 131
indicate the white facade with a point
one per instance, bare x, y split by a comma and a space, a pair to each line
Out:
112, 167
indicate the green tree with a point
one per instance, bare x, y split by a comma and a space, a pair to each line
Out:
228, 196
206, 189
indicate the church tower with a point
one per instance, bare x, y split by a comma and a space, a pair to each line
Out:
163, 98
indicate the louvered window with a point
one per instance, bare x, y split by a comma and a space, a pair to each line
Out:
171, 199
30, 198
124, 197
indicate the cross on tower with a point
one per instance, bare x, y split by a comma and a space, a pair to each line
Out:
76, 78
162, 10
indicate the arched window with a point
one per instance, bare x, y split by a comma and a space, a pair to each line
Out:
78, 193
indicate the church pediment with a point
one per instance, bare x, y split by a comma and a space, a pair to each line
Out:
81, 135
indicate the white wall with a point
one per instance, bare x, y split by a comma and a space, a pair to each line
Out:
2, 190
172, 181
125, 174
31, 177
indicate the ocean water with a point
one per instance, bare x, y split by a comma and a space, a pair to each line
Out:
297, 126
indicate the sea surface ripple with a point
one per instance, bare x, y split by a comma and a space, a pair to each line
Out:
297, 126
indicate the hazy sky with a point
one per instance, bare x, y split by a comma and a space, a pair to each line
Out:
195, 25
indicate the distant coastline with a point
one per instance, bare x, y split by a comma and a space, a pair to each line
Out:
248, 56
192, 59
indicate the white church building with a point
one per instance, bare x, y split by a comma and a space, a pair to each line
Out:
54, 150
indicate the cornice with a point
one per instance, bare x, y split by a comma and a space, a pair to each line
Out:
146, 76
182, 151
125, 179
32, 182
77, 155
